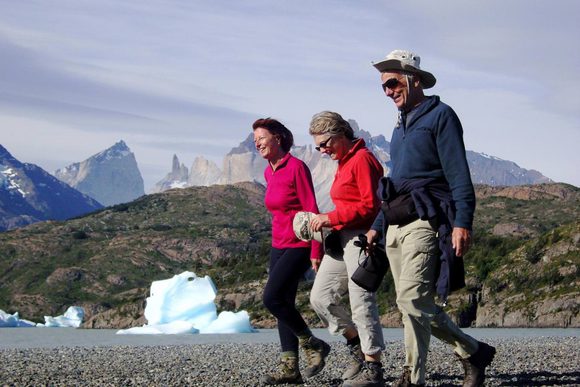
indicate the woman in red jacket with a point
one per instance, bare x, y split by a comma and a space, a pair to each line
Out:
289, 190
353, 193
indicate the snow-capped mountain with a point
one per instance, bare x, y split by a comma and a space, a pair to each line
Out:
494, 171
29, 194
111, 176
243, 163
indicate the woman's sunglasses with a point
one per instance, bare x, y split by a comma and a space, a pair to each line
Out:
323, 144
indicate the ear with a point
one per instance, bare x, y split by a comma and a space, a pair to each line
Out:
416, 81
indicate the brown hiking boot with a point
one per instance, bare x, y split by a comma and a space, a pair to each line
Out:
287, 372
315, 351
371, 375
474, 365
405, 379
355, 365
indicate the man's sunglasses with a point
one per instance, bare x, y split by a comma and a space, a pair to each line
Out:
323, 144
390, 83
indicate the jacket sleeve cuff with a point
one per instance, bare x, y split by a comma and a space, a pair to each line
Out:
333, 218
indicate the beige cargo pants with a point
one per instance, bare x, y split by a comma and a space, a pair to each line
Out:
333, 284
412, 250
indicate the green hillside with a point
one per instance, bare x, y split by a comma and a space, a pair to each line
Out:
525, 256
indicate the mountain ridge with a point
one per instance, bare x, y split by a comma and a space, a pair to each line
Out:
106, 260
111, 176
29, 194
243, 163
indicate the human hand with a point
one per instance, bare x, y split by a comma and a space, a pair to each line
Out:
318, 221
461, 240
315, 263
372, 239
372, 236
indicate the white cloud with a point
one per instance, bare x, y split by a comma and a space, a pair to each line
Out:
195, 74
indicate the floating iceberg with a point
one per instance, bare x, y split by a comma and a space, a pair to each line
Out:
185, 304
13, 321
73, 318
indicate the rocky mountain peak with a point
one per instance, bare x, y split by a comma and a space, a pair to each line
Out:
111, 176
119, 150
203, 173
177, 178
245, 146
243, 163
175, 164
5, 155
29, 194
178, 170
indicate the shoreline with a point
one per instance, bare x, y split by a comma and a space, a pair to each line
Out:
30, 338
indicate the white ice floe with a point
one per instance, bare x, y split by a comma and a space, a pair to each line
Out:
73, 317
13, 321
185, 304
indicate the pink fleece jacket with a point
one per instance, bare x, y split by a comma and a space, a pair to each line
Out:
289, 190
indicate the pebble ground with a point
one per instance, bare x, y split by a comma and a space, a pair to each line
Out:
543, 361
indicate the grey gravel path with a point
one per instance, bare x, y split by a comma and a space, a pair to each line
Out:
520, 361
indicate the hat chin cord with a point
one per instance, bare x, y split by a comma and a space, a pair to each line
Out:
399, 120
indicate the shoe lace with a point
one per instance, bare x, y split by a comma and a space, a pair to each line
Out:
311, 349
368, 372
355, 353
283, 368
311, 353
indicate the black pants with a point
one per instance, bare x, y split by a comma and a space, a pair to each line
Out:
287, 267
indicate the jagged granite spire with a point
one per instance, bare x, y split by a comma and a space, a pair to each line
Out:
243, 163
177, 178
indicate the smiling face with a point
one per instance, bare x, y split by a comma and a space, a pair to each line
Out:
267, 144
335, 146
405, 96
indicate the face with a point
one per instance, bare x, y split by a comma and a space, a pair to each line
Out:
395, 86
332, 145
267, 144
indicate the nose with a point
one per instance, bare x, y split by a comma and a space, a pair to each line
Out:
388, 92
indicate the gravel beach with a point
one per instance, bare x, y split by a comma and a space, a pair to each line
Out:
520, 361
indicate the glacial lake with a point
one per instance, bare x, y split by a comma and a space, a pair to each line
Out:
71, 337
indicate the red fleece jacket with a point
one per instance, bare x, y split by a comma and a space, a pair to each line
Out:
354, 190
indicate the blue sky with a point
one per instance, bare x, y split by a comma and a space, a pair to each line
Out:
190, 77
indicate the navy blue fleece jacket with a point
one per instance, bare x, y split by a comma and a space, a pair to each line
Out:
428, 142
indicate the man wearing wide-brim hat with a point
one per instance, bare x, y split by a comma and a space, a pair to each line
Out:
430, 181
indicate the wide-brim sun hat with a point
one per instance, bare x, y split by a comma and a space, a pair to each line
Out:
408, 61
302, 229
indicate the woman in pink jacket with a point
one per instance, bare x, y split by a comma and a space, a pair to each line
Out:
289, 190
